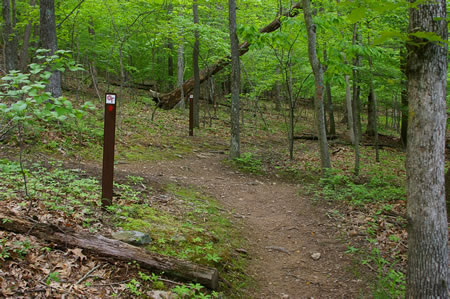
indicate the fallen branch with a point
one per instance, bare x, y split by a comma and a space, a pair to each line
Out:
169, 100
113, 250
313, 137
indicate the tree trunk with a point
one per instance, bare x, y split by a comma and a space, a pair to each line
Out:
170, 64
235, 149
278, 92
404, 124
404, 99
356, 87
26, 42
348, 103
197, 82
113, 250
330, 107
180, 71
49, 41
427, 220
373, 112
9, 36
169, 100
371, 105
318, 78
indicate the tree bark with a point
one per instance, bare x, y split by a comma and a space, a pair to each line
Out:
113, 250
170, 64
356, 86
330, 107
26, 42
404, 100
318, 78
373, 113
356, 102
197, 82
348, 103
278, 92
169, 100
9, 36
49, 41
427, 220
180, 71
235, 148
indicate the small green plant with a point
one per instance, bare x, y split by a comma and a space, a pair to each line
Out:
390, 283
193, 291
135, 179
52, 276
247, 162
134, 287
5, 250
22, 248
351, 249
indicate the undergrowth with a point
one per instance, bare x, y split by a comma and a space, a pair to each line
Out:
195, 228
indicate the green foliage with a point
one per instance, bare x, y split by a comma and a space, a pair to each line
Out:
248, 163
24, 101
193, 291
390, 282
379, 188
52, 276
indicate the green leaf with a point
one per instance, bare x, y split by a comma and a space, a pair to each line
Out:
387, 35
19, 106
430, 36
357, 15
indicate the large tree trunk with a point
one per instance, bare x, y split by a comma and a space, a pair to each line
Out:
113, 250
197, 82
49, 41
9, 36
235, 148
169, 100
318, 78
427, 220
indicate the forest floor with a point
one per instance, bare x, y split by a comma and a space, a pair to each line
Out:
272, 226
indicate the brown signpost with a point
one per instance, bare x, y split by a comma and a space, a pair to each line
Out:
191, 115
108, 148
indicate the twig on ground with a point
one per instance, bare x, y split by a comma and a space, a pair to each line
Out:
87, 274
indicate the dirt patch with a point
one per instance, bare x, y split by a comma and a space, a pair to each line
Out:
296, 251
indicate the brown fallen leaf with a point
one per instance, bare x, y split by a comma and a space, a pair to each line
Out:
78, 253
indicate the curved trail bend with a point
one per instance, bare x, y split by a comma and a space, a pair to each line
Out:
283, 229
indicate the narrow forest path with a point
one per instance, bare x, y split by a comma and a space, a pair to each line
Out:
283, 229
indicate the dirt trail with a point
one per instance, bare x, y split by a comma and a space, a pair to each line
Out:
284, 229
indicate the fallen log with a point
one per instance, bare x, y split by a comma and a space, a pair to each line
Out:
368, 144
168, 100
113, 249
313, 137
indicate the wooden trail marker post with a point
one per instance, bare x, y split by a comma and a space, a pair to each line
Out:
191, 115
109, 138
